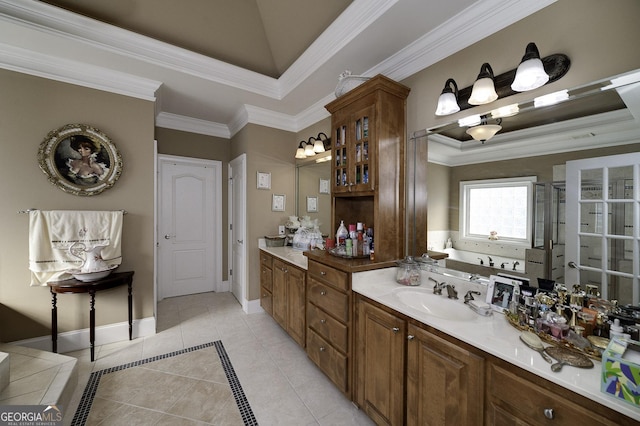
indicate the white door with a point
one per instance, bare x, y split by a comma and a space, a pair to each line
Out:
237, 228
603, 225
189, 249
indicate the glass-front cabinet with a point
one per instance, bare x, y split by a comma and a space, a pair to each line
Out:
354, 163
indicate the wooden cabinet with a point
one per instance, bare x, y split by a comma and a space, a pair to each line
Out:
445, 382
438, 381
369, 163
380, 354
266, 282
517, 397
329, 323
283, 295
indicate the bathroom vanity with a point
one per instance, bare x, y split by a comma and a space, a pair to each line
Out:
404, 365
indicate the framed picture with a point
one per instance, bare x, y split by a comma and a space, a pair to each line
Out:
312, 204
264, 180
278, 202
80, 159
324, 186
501, 291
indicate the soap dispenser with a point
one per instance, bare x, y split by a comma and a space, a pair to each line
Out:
341, 234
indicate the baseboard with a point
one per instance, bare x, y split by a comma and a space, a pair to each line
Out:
79, 339
252, 306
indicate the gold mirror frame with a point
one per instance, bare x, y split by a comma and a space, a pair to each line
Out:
80, 159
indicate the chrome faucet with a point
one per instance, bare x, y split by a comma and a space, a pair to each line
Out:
451, 291
490, 261
503, 263
469, 296
437, 288
481, 261
516, 263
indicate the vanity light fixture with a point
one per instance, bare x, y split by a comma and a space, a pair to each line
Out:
448, 100
315, 145
300, 151
484, 131
488, 87
484, 90
530, 73
308, 150
318, 145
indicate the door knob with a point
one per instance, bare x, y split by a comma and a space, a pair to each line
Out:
240, 241
167, 237
573, 265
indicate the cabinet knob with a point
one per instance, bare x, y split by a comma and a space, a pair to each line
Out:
410, 337
548, 413
322, 293
323, 273
321, 348
395, 329
322, 321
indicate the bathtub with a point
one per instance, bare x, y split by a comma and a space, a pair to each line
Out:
474, 259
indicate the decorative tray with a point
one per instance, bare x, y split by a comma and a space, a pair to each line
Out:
589, 351
340, 251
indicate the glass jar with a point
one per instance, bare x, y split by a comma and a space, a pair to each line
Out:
408, 272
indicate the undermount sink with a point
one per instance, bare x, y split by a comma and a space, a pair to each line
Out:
434, 305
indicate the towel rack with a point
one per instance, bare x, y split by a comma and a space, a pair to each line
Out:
31, 210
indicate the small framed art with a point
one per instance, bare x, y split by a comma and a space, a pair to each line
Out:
278, 202
263, 180
324, 186
312, 204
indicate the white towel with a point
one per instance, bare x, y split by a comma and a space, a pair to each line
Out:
51, 233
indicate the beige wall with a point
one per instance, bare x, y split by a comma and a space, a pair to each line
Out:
268, 150
185, 144
30, 108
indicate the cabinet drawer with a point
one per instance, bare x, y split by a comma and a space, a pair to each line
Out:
266, 278
265, 259
329, 299
328, 359
329, 275
514, 397
326, 326
266, 300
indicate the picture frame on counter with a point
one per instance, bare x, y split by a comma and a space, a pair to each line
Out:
501, 292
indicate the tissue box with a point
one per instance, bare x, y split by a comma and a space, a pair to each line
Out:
621, 370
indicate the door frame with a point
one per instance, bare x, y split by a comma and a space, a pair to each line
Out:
218, 284
242, 159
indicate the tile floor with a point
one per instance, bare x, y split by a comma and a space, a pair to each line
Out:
282, 386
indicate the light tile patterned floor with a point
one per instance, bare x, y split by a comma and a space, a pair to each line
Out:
282, 386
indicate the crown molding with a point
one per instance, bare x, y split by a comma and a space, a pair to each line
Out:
599, 131
80, 74
192, 125
473, 24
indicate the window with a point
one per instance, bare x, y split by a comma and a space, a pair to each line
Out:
497, 209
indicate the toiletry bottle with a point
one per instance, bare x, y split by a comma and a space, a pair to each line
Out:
349, 246
616, 330
341, 234
449, 243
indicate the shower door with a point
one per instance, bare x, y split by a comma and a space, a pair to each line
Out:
603, 225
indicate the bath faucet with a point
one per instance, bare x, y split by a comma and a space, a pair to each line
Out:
490, 261
451, 291
437, 288
469, 296
516, 263
481, 261
503, 263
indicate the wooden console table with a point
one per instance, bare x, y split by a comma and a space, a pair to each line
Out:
115, 279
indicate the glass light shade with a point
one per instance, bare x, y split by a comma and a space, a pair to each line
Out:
447, 104
308, 150
300, 153
483, 132
318, 146
483, 92
530, 75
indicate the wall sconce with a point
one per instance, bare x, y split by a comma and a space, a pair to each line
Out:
484, 90
448, 100
313, 146
554, 66
483, 132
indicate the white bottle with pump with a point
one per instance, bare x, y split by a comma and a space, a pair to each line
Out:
341, 234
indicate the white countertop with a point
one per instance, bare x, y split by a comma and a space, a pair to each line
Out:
492, 334
285, 253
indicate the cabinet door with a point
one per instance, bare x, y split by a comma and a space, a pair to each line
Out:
280, 293
380, 364
296, 323
341, 132
361, 154
445, 383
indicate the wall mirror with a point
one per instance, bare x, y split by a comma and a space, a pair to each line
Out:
597, 120
309, 174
